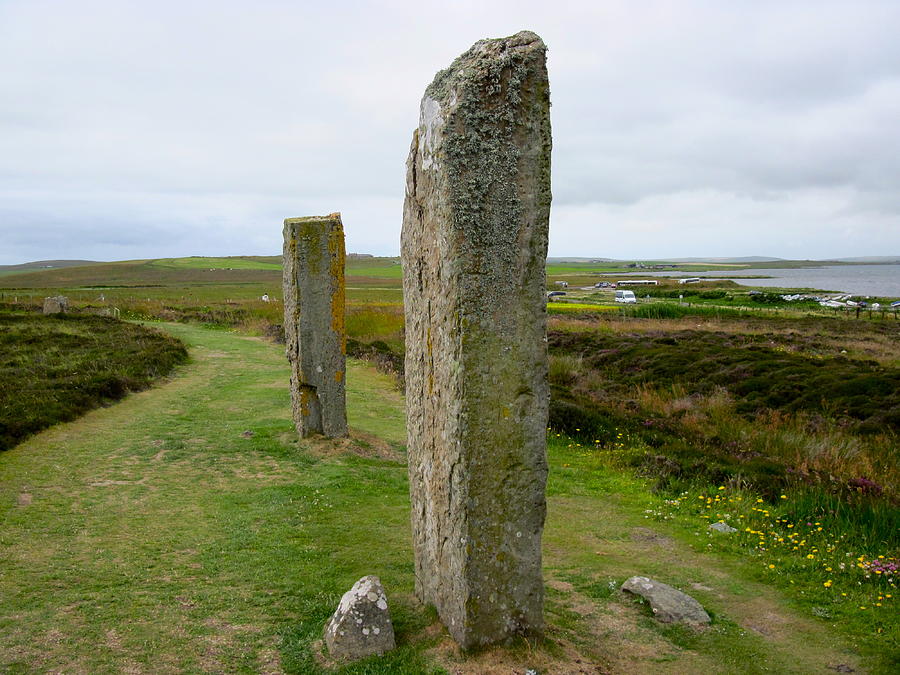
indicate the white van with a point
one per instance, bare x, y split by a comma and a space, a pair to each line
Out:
626, 296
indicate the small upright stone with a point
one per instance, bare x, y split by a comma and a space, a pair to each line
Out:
57, 304
361, 625
474, 247
314, 330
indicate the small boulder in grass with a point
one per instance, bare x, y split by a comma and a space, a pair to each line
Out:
361, 625
722, 527
669, 605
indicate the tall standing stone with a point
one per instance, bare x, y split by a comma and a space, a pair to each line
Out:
474, 247
314, 323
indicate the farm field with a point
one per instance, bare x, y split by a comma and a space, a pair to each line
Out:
157, 529
187, 529
229, 291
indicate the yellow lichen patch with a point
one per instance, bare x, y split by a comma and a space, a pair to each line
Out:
339, 376
304, 402
579, 307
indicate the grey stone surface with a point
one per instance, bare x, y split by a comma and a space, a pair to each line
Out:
315, 335
57, 304
361, 625
111, 312
473, 248
669, 605
722, 527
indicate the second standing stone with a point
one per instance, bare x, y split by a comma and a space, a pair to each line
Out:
314, 329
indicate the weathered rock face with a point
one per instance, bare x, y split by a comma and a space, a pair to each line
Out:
474, 246
58, 304
361, 625
314, 323
668, 604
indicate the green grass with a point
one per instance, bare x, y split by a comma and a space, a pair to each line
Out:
672, 310
561, 269
798, 544
196, 548
55, 368
378, 268
214, 291
157, 535
236, 263
256, 274
152, 535
565, 307
816, 557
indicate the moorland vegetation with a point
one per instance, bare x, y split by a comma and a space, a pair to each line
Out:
55, 368
777, 418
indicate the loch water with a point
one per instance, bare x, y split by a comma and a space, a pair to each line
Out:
866, 280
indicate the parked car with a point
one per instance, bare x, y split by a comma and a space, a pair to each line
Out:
626, 296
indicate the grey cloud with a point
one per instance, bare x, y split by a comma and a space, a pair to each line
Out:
194, 127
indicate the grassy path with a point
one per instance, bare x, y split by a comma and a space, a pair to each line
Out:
185, 529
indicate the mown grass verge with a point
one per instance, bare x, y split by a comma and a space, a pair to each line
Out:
820, 554
55, 368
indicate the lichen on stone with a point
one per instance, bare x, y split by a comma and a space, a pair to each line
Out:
315, 332
473, 247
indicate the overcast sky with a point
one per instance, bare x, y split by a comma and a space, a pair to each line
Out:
719, 128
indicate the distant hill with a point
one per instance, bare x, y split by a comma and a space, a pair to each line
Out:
749, 259
743, 259
872, 259
191, 271
45, 265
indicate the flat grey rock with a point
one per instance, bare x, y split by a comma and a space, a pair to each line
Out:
361, 625
58, 304
722, 527
669, 605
